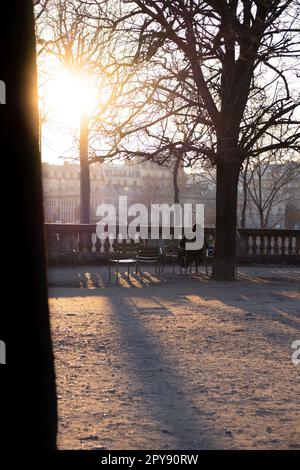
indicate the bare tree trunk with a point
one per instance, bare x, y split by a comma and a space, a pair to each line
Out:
175, 179
261, 218
226, 204
260, 198
85, 184
32, 416
245, 195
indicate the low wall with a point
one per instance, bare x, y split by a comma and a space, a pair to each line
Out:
78, 243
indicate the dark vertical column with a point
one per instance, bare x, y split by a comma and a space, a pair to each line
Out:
85, 185
32, 418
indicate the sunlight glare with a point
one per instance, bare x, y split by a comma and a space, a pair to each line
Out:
68, 95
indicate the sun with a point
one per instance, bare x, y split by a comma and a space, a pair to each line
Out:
68, 95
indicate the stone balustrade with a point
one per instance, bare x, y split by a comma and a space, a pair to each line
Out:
78, 243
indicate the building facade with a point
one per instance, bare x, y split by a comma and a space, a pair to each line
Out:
142, 183
148, 183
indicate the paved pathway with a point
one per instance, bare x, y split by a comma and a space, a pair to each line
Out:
178, 363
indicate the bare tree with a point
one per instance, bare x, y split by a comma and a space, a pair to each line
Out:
76, 35
222, 56
266, 182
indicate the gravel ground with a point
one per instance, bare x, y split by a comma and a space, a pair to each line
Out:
177, 363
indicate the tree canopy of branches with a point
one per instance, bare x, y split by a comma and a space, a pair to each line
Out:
224, 71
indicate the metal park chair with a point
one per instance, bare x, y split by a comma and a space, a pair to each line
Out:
124, 255
170, 254
150, 255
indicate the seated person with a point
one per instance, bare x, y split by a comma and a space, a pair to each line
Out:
185, 257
